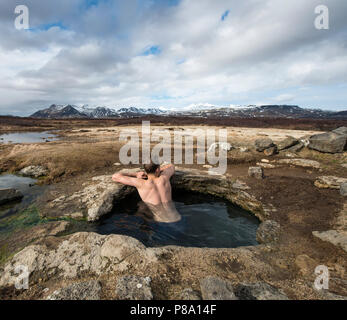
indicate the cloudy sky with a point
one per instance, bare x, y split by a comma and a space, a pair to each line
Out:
172, 54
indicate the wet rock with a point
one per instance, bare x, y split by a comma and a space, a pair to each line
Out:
87, 290
256, 172
213, 288
34, 171
271, 151
337, 238
343, 189
268, 231
305, 163
331, 182
305, 264
258, 291
263, 143
8, 195
329, 142
134, 288
287, 143
190, 294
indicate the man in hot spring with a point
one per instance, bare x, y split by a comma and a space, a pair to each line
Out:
154, 188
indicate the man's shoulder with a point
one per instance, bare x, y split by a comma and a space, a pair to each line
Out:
163, 178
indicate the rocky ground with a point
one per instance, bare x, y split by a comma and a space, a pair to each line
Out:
294, 190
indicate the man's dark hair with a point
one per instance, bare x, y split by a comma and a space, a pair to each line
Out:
151, 167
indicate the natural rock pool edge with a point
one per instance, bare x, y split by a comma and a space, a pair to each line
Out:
99, 195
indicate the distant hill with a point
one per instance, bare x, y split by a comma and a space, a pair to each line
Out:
265, 111
70, 111
55, 111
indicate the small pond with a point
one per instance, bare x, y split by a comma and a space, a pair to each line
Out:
26, 186
27, 137
206, 222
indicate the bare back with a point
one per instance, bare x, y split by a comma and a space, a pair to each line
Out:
156, 191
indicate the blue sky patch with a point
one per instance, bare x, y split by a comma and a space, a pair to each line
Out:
225, 14
153, 50
47, 26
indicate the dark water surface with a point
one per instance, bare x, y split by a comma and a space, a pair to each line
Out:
206, 222
26, 186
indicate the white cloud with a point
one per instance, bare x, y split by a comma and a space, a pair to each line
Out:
262, 51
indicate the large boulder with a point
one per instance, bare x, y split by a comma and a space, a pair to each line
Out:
287, 143
329, 142
214, 288
258, 291
8, 195
263, 143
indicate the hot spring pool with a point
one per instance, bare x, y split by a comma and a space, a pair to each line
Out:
206, 222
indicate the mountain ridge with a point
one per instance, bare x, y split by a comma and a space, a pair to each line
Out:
252, 111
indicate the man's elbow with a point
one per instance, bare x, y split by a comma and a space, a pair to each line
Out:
171, 169
116, 177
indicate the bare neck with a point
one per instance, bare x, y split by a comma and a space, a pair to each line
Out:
152, 176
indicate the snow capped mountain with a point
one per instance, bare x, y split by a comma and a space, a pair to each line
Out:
58, 111
204, 110
85, 111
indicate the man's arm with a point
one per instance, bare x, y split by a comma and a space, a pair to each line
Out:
167, 171
129, 180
